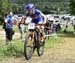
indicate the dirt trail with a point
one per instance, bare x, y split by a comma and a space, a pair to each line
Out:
2, 35
63, 52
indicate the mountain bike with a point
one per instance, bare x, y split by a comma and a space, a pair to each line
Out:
32, 42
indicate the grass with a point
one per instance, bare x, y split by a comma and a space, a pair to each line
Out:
15, 27
8, 51
1, 29
17, 48
70, 28
51, 42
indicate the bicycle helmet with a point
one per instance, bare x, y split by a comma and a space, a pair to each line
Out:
29, 6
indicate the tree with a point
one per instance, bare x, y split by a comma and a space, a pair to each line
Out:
15, 8
5, 7
72, 7
1, 12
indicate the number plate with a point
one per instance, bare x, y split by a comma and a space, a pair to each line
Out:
31, 26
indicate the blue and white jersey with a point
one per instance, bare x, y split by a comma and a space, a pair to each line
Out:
36, 17
8, 19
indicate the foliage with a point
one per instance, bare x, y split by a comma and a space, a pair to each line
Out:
1, 11
5, 7
18, 6
44, 5
72, 7
15, 8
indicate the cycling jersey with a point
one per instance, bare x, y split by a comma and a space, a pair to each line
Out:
36, 17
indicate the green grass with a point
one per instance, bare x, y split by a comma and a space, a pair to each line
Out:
15, 28
17, 48
1, 29
51, 42
69, 29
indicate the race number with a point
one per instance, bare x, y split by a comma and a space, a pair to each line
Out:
31, 26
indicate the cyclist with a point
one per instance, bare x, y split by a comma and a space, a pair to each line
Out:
37, 16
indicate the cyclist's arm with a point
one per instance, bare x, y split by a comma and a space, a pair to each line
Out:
40, 13
6, 21
43, 17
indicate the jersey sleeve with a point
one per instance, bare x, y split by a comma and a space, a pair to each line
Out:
38, 12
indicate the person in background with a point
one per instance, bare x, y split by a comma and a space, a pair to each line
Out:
9, 28
73, 23
47, 27
22, 27
66, 27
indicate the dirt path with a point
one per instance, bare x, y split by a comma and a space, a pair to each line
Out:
2, 35
63, 52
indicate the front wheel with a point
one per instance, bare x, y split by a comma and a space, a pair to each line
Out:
28, 46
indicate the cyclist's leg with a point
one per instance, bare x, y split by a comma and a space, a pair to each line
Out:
40, 21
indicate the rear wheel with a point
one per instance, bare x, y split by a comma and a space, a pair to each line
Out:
28, 46
40, 50
40, 46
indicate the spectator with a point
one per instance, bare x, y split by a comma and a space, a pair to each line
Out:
21, 26
73, 22
9, 28
66, 27
58, 27
47, 27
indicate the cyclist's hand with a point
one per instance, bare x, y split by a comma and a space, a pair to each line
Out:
43, 24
